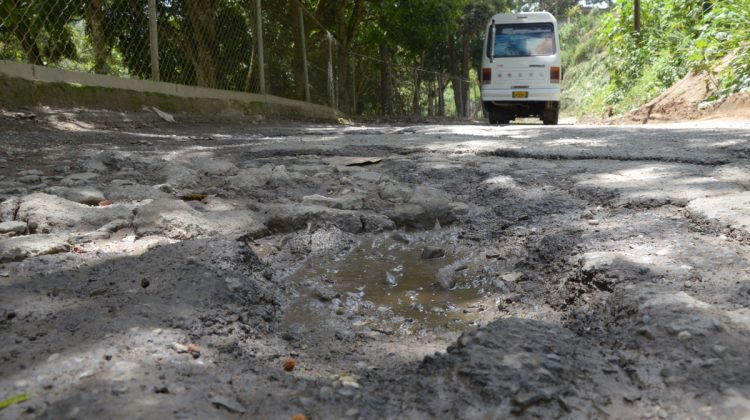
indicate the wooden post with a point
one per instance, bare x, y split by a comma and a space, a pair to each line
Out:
303, 42
154, 40
261, 55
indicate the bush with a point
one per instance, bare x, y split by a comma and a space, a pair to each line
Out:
610, 67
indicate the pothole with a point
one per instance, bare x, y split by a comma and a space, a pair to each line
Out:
390, 283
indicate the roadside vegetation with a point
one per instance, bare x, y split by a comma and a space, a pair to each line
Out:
612, 70
391, 57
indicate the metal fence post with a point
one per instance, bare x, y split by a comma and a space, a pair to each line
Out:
261, 55
154, 39
331, 92
304, 52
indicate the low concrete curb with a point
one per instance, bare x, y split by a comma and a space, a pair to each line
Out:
30, 85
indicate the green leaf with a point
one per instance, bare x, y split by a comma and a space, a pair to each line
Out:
14, 400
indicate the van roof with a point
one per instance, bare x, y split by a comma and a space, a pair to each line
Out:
531, 17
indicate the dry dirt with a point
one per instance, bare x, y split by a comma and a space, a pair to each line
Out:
687, 100
229, 270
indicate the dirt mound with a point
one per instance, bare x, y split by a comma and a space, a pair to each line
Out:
688, 100
736, 106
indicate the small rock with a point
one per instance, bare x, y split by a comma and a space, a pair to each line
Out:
684, 336
161, 390
349, 381
86, 374
398, 237
145, 283
645, 332
30, 172
431, 253
225, 403
61, 169
594, 222
390, 279
447, 283
326, 295
179, 348
719, 350
30, 179
83, 195
512, 277
631, 397
194, 351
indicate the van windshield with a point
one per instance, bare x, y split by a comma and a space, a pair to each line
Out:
524, 40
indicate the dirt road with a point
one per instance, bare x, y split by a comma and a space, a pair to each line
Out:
150, 270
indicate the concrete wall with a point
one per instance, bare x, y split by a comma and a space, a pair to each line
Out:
30, 85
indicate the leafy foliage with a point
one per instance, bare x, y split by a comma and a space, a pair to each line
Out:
427, 49
676, 37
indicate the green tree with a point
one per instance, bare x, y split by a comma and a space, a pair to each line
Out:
41, 27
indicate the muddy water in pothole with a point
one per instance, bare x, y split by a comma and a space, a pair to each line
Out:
387, 283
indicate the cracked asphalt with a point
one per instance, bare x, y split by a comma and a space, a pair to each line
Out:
218, 269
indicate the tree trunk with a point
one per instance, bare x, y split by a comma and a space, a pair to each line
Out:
455, 78
465, 63
416, 107
202, 16
347, 28
30, 47
637, 20
431, 98
385, 83
298, 60
96, 24
22, 31
441, 96
249, 77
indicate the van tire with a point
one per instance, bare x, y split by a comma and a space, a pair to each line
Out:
551, 116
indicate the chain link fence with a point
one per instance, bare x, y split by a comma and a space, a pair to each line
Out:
258, 46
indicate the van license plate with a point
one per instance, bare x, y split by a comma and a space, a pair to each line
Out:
520, 95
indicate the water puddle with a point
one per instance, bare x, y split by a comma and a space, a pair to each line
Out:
387, 283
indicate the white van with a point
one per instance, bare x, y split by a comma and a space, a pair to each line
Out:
521, 68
